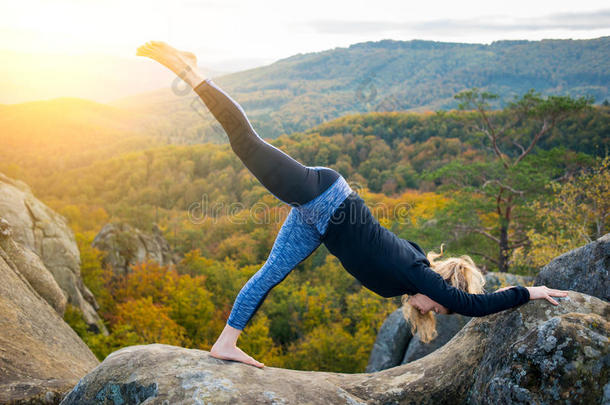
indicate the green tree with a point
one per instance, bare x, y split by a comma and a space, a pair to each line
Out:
577, 213
511, 136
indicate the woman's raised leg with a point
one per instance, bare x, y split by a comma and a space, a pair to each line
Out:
286, 178
283, 176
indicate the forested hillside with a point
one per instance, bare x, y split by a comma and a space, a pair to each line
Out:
223, 222
41, 138
299, 92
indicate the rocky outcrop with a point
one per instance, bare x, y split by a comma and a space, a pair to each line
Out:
29, 265
46, 233
391, 342
535, 353
395, 345
41, 357
584, 269
447, 327
124, 246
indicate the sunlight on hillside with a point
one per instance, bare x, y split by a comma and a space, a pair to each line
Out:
35, 76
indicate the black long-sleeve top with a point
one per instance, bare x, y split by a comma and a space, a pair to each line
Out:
392, 266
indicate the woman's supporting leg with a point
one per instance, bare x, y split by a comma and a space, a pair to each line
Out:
283, 176
295, 241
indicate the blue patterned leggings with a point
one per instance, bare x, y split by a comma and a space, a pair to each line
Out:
313, 192
298, 237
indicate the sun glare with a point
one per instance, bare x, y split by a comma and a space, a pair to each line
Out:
63, 47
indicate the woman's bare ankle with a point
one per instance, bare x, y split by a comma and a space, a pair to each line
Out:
226, 348
192, 77
228, 338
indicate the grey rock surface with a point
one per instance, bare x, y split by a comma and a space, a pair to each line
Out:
47, 234
124, 246
584, 269
446, 326
535, 353
390, 344
41, 357
29, 265
498, 279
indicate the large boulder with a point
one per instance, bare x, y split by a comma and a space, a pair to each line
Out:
124, 246
535, 353
584, 269
390, 343
46, 233
41, 357
395, 345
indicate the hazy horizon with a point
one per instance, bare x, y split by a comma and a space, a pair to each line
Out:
57, 49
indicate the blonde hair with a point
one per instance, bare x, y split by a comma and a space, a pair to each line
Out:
461, 272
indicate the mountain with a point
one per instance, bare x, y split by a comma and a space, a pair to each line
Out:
294, 95
304, 90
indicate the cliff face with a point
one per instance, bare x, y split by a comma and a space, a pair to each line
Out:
41, 357
536, 353
29, 265
46, 233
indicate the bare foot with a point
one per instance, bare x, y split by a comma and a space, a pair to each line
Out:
182, 63
234, 353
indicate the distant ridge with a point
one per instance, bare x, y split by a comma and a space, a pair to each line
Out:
304, 90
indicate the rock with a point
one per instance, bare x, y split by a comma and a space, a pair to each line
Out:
41, 357
584, 269
46, 233
497, 279
28, 264
535, 353
446, 326
125, 246
390, 343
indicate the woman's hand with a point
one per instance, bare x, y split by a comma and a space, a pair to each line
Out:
543, 292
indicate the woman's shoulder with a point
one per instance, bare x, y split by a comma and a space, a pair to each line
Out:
416, 246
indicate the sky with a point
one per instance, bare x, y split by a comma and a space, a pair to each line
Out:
232, 35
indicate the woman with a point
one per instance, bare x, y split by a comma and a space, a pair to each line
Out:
326, 210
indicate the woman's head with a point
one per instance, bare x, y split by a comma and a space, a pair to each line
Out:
461, 272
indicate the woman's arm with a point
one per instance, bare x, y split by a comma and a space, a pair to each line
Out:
432, 284
541, 292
